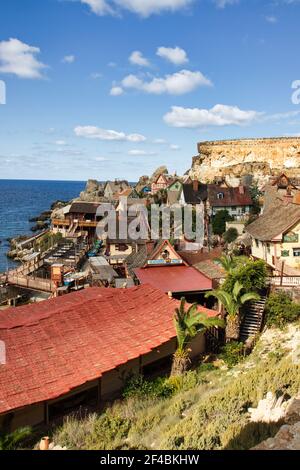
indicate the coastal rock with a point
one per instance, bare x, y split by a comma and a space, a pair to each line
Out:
234, 159
93, 192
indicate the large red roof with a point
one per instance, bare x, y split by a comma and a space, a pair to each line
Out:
174, 278
60, 344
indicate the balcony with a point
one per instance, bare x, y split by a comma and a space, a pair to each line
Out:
81, 223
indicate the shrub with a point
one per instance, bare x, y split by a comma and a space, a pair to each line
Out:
280, 310
232, 353
251, 274
219, 221
140, 387
231, 235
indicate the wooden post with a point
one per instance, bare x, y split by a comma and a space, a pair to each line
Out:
281, 278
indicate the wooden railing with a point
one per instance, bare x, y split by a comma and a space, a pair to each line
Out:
33, 283
81, 223
285, 281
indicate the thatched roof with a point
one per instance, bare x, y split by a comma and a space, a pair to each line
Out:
274, 222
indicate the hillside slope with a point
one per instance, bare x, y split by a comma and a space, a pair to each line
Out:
208, 411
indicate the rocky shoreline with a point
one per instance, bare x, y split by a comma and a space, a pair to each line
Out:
42, 223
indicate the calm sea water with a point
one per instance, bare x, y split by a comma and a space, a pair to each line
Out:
20, 200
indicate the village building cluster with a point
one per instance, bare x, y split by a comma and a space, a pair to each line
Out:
103, 307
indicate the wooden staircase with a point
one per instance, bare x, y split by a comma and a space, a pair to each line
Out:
253, 319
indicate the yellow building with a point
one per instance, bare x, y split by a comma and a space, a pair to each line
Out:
276, 235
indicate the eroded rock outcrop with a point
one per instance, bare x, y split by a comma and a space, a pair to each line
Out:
233, 159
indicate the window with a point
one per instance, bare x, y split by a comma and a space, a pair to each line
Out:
87, 399
268, 248
256, 243
220, 195
285, 253
121, 247
296, 251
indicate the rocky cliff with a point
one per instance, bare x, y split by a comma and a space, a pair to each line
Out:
234, 159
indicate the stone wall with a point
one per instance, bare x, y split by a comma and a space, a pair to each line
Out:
234, 159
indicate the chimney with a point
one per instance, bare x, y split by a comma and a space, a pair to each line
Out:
241, 189
150, 246
195, 185
288, 197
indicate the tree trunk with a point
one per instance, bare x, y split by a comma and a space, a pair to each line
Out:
181, 362
233, 325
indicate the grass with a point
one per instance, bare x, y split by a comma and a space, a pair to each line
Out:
207, 409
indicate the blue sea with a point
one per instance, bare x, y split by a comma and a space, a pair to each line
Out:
22, 199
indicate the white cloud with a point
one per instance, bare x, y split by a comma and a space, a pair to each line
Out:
99, 7
219, 115
140, 153
224, 3
19, 58
137, 58
143, 8
93, 132
116, 91
174, 147
61, 142
176, 55
160, 141
271, 19
68, 59
96, 75
179, 83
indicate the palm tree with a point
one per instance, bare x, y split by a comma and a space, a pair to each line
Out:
188, 324
227, 262
12, 440
232, 303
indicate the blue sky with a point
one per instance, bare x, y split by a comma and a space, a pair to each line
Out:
114, 88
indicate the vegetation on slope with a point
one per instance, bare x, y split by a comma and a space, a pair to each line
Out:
204, 409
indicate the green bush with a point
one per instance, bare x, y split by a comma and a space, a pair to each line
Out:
280, 310
219, 221
251, 274
230, 235
232, 353
140, 387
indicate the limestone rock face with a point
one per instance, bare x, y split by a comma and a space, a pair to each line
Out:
159, 171
288, 436
93, 192
233, 159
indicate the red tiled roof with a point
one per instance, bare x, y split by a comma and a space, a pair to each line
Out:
60, 344
232, 197
174, 278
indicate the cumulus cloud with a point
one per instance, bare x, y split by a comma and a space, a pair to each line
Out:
176, 55
219, 115
19, 59
137, 58
225, 3
68, 59
178, 83
116, 91
93, 132
143, 8
99, 7
141, 153
96, 75
271, 19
